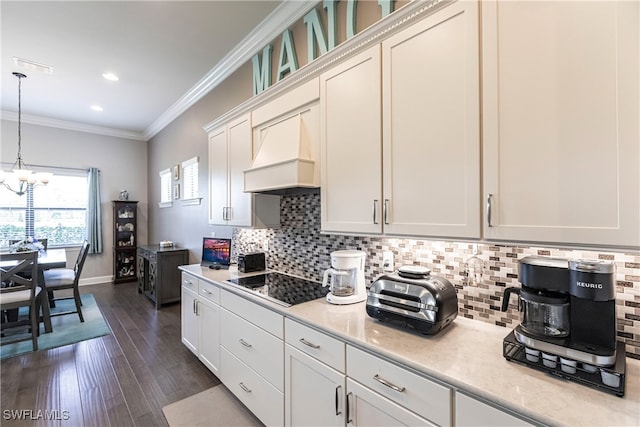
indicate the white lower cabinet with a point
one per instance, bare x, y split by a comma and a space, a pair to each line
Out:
314, 377
428, 400
252, 356
257, 394
473, 413
201, 320
368, 408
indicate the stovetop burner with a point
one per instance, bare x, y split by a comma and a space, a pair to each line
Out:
281, 288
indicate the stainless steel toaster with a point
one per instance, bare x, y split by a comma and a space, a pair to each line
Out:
421, 302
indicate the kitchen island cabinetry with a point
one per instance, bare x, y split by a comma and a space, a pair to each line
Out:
230, 153
314, 377
561, 122
158, 274
401, 152
471, 412
252, 355
201, 320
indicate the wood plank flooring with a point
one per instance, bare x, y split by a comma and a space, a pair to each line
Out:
122, 379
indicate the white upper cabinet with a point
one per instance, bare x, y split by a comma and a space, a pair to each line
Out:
400, 132
350, 141
431, 126
561, 150
230, 153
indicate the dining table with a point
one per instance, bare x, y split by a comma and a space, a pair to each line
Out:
51, 258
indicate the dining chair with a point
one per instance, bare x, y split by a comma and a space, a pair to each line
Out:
20, 289
58, 279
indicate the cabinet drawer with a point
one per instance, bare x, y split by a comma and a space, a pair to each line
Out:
210, 291
316, 344
264, 400
260, 350
416, 393
472, 412
190, 282
268, 320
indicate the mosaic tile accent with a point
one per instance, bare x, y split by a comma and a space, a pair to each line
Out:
298, 247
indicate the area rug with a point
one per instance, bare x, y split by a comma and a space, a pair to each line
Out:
216, 406
66, 329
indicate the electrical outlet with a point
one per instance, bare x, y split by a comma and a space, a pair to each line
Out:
265, 245
387, 261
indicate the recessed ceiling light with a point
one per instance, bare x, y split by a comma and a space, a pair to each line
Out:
111, 77
33, 66
96, 108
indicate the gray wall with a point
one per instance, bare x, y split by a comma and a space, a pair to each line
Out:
122, 163
183, 139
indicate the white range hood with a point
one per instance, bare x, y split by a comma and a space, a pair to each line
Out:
285, 159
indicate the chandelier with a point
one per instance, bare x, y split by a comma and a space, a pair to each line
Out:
21, 176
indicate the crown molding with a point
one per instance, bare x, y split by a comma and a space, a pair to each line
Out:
272, 26
74, 126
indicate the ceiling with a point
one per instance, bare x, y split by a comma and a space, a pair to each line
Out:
167, 54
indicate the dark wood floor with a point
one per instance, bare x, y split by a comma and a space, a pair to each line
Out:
122, 379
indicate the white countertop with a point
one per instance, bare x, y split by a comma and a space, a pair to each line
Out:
468, 356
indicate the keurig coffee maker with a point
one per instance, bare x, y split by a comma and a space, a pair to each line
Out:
568, 321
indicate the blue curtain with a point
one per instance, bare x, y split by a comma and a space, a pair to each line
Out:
94, 212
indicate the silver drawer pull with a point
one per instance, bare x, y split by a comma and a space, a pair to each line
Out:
188, 282
245, 388
388, 384
310, 344
207, 292
244, 343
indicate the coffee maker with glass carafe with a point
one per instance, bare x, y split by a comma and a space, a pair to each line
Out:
568, 321
345, 278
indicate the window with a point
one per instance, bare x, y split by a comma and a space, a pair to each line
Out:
190, 180
56, 211
165, 189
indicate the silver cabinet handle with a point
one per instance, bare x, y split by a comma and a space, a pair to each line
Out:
388, 384
489, 197
244, 343
207, 292
188, 282
224, 213
338, 412
349, 420
229, 213
310, 344
245, 388
375, 213
385, 210
196, 304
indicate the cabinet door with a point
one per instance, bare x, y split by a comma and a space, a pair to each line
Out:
218, 173
561, 121
240, 156
473, 413
314, 392
209, 343
190, 325
350, 136
367, 408
431, 126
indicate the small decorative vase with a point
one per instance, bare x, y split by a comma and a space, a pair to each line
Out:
124, 195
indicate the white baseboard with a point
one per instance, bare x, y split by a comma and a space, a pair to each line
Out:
95, 280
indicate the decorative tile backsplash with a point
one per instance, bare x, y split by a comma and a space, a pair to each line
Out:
299, 248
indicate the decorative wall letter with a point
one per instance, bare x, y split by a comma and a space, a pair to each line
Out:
315, 33
351, 18
288, 62
262, 70
386, 6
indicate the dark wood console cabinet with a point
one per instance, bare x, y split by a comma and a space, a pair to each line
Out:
158, 274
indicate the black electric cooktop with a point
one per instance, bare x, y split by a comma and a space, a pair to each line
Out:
281, 288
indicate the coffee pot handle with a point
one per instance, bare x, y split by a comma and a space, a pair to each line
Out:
325, 277
507, 295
